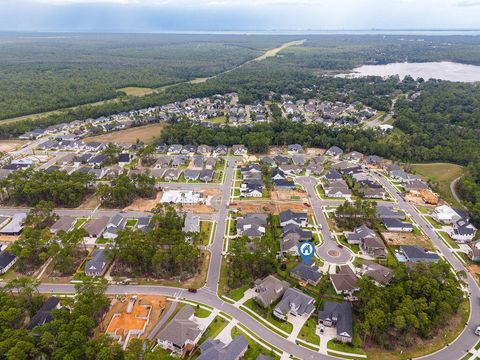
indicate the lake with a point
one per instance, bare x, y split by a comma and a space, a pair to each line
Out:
428, 70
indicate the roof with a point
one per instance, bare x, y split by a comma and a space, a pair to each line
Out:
395, 223
379, 273
414, 252
96, 226
97, 262
217, 350
341, 313
307, 272
44, 315
345, 279
64, 223
5, 259
270, 289
334, 150
388, 212
15, 225
294, 297
360, 233
291, 215
180, 329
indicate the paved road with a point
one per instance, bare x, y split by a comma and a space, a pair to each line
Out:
467, 339
453, 189
329, 250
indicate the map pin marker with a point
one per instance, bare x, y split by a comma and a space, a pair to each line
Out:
306, 251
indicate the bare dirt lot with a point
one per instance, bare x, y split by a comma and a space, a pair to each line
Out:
269, 206
129, 136
144, 204
11, 145
396, 239
288, 195
90, 203
314, 151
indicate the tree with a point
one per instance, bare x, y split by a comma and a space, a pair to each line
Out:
41, 215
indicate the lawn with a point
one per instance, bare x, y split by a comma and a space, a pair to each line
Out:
308, 331
205, 230
202, 313
432, 222
237, 294
131, 223
218, 120
254, 348
441, 173
267, 315
449, 240
339, 346
215, 327
80, 222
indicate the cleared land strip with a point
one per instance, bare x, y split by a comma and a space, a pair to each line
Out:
133, 91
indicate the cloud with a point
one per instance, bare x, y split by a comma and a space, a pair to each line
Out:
468, 3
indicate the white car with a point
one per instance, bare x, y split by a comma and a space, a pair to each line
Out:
477, 330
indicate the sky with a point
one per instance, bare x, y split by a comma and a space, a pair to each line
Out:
235, 15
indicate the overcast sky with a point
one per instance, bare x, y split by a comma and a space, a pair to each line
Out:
191, 15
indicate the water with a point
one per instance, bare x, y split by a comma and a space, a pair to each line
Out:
444, 70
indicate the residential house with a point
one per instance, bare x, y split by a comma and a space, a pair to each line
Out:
295, 149
281, 160
7, 260
414, 254
96, 227
334, 151
474, 252
15, 226
355, 237
251, 189
191, 175
380, 274
175, 149
374, 246
396, 225
269, 290
191, 223
98, 263
239, 150
338, 315
388, 212
204, 150
182, 333
344, 281
283, 184
178, 161
298, 160
44, 314
291, 217
163, 162
217, 350
445, 214
124, 159
171, 175
252, 225
354, 156
333, 175
64, 223
292, 234
278, 174
206, 175
291, 169
198, 162
210, 163
220, 150
463, 231
306, 273
296, 303
116, 223
188, 150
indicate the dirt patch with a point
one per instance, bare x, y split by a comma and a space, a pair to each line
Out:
198, 209
8, 238
288, 195
144, 204
11, 145
315, 151
397, 239
91, 203
129, 136
269, 207
136, 319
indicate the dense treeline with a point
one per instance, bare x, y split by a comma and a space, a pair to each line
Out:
163, 252
417, 304
29, 187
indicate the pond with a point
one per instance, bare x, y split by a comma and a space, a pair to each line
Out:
428, 70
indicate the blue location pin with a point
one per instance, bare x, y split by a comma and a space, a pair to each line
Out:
306, 251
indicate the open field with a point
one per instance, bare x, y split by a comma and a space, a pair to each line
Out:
443, 174
11, 145
136, 91
268, 206
129, 136
144, 204
274, 52
397, 239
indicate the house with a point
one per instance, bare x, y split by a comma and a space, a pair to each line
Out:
414, 254
283, 184
64, 223
445, 214
358, 234
269, 290
251, 189
344, 281
204, 150
251, 169
184, 197
217, 350
198, 162
295, 149
15, 226
220, 150
291, 169
298, 160
175, 149
162, 162
124, 158
98, 263
380, 274
206, 175
306, 273
143, 223
171, 175
252, 225
334, 151
44, 314
294, 302
191, 175
374, 246
474, 252
268, 160
239, 150
278, 174
116, 223
374, 192
210, 163
374, 160
292, 234
388, 212
7, 260
338, 190
179, 160
188, 150
95, 227
338, 315
463, 231
282, 160
191, 223
97, 160
65, 159
291, 217
181, 334
333, 175
396, 225
161, 148
354, 156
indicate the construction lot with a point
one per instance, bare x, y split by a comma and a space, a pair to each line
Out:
269, 207
400, 238
129, 136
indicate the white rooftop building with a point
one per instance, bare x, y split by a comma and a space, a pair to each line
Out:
184, 197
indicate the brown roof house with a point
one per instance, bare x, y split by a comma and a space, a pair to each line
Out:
380, 274
374, 246
344, 281
95, 227
269, 290
64, 223
181, 334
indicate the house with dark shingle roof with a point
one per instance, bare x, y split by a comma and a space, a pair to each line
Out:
44, 314
217, 350
334, 151
380, 274
344, 281
7, 260
338, 315
98, 263
306, 273
296, 303
291, 217
414, 253
269, 290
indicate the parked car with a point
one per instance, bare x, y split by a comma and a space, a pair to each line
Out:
191, 290
340, 246
477, 330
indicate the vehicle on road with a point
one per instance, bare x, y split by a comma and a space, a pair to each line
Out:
340, 246
477, 330
306, 204
191, 290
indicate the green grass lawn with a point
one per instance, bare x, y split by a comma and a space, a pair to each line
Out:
449, 240
218, 120
215, 327
267, 315
205, 230
308, 331
237, 294
202, 313
344, 242
131, 223
254, 348
80, 222
338, 346
435, 224
441, 173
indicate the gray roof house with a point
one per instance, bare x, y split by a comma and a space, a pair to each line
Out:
206, 175
181, 334
217, 350
44, 314
358, 234
463, 231
252, 225
269, 290
414, 253
191, 223
15, 226
291, 217
295, 149
7, 260
344, 281
380, 274
116, 223
95, 227
334, 151
292, 234
191, 175
396, 225
98, 263
338, 315
64, 223
306, 273
163, 161
294, 302
388, 212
